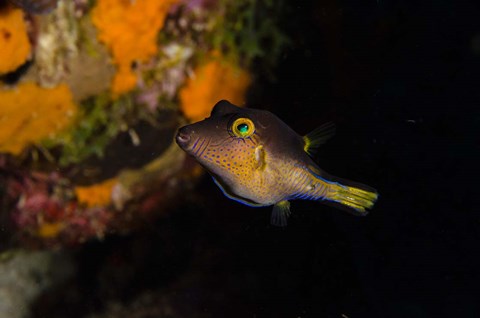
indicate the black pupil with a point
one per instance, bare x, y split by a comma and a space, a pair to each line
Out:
243, 128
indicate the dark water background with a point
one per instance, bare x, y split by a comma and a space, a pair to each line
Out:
401, 79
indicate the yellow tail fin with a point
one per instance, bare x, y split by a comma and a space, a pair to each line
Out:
351, 197
347, 195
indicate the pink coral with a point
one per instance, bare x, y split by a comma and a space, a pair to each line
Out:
44, 212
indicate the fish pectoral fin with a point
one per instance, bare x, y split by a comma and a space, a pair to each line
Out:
318, 137
280, 213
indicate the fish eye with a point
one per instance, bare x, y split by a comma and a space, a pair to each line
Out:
242, 127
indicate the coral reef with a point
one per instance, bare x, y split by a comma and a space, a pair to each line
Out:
57, 45
88, 124
48, 210
215, 80
129, 29
96, 195
13, 40
30, 114
36, 6
44, 207
67, 52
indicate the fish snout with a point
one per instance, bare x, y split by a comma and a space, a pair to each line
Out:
184, 136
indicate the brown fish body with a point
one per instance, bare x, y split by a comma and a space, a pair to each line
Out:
258, 160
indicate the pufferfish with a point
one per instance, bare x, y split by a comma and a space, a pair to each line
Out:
258, 160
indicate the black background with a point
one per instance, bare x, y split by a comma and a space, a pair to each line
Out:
401, 80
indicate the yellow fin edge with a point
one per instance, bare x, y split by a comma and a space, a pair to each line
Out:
352, 197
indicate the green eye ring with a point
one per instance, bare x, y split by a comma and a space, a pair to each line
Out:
242, 128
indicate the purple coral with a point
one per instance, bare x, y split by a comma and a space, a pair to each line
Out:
195, 5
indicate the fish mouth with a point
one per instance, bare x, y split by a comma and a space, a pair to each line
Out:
184, 137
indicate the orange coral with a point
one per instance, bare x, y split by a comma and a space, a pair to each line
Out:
96, 195
213, 81
14, 44
29, 113
50, 230
129, 29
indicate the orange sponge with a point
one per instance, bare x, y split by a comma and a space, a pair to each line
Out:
29, 114
14, 44
215, 80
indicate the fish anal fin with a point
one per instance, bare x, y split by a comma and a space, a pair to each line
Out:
280, 214
318, 137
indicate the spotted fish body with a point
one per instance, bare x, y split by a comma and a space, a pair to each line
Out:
258, 160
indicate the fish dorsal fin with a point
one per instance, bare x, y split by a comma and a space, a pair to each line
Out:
280, 213
318, 137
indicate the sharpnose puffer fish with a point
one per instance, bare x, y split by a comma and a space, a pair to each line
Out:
258, 160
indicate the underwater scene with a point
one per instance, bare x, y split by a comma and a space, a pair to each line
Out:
239, 158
